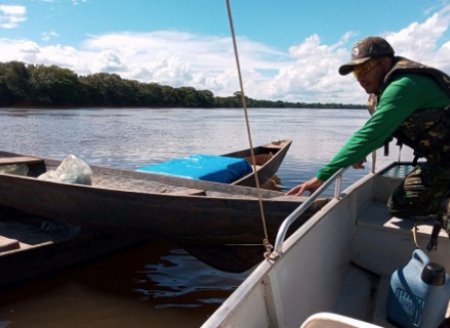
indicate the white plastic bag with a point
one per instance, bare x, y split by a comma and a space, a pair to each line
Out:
71, 170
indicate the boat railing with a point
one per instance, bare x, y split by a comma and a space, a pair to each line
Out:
304, 206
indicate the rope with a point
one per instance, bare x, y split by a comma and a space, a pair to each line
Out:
266, 242
414, 233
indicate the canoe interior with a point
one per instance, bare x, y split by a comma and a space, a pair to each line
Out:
30, 245
117, 179
267, 160
339, 261
237, 168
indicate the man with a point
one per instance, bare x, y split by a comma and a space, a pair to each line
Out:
411, 102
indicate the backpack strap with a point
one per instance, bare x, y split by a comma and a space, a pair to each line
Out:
442, 222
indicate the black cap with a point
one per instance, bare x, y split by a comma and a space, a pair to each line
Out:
433, 274
368, 48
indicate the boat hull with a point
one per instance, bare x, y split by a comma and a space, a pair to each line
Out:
174, 217
169, 208
30, 246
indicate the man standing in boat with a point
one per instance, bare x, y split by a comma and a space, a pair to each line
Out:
411, 102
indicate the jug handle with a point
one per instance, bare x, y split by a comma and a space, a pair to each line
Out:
420, 256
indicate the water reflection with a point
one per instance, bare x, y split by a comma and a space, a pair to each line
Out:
152, 284
179, 280
161, 274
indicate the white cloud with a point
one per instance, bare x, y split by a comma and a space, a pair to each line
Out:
46, 36
307, 72
181, 59
312, 74
21, 50
109, 61
77, 2
11, 16
420, 41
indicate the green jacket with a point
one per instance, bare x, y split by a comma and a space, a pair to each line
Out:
406, 91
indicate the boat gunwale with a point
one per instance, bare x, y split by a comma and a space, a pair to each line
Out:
111, 172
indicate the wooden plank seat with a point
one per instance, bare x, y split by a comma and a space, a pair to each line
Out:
20, 160
7, 244
259, 159
189, 192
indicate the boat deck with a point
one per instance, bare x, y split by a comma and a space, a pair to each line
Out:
365, 290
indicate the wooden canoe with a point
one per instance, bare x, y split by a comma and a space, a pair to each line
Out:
164, 207
30, 245
267, 161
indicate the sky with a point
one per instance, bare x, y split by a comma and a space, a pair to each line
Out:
288, 50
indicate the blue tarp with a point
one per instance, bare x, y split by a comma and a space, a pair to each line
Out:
202, 167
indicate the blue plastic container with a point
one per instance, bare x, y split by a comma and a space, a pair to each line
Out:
223, 169
419, 293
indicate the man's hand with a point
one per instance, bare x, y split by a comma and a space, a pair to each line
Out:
310, 185
360, 164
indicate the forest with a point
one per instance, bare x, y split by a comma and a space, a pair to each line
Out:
41, 86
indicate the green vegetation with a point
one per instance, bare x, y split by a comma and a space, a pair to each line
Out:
51, 86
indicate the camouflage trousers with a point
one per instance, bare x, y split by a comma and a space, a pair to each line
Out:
421, 192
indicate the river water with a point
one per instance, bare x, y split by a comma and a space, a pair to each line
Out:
156, 284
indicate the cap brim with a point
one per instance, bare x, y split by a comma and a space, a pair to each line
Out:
348, 68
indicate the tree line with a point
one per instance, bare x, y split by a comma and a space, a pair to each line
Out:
31, 85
